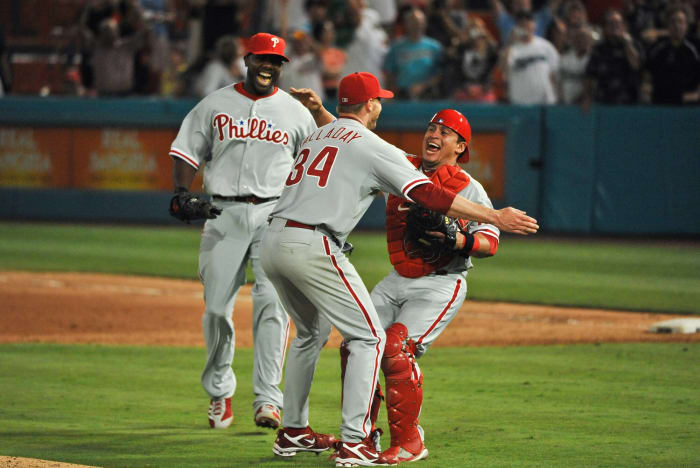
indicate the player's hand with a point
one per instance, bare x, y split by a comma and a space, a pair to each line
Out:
459, 238
307, 97
513, 220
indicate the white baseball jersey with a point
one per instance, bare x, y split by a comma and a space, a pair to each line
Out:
339, 169
529, 69
245, 143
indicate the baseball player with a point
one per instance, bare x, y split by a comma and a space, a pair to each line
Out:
421, 296
244, 137
337, 171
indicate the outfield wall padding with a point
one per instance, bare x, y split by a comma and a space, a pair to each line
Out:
612, 170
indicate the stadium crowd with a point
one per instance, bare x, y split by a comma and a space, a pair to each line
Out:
512, 51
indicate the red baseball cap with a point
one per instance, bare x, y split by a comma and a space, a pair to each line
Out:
454, 120
267, 44
360, 87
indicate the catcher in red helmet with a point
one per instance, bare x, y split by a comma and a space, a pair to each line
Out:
431, 254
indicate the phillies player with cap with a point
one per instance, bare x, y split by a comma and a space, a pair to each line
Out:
244, 137
337, 172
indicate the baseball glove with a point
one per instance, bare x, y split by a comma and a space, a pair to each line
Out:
187, 206
418, 243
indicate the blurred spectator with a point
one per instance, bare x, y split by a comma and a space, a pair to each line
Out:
173, 81
368, 46
531, 64
505, 19
113, 60
447, 22
304, 67
332, 58
125, 32
412, 65
387, 11
643, 18
673, 65
572, 69
478, 55
5, 67
317, 13
158, 14
574, 14
221, 70
557, 34
613, 71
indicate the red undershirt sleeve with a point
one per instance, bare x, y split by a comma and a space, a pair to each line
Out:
432, 197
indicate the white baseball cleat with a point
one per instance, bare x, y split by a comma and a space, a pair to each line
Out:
268, 416
360, 454
291, 440
220, 413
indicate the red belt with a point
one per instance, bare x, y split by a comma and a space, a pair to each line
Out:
296, 224
252, 199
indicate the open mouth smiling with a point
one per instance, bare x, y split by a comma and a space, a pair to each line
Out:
432, 147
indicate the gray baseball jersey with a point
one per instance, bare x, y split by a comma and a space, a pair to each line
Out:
245, 144
337, 172
335, 175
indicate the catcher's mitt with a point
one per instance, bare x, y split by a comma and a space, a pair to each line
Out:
418, 243
187, 207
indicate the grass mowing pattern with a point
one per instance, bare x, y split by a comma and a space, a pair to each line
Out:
625, 275
562, 406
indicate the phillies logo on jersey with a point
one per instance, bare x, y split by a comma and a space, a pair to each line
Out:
253, 128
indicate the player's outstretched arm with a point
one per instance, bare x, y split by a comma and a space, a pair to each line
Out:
311, 101
506, 219
447, 202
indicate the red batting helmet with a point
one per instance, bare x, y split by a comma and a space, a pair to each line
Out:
454, 120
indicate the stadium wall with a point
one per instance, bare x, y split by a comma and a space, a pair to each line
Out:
613, 170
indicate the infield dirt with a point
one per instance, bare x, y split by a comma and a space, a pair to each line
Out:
111, 309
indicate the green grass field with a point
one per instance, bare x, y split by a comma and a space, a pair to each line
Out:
648, 276
563, 406
604, 405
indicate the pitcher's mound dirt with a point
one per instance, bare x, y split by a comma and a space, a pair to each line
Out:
111, 309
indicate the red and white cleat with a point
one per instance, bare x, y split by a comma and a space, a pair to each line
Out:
268, 416
360, 454
220, 413
291, 440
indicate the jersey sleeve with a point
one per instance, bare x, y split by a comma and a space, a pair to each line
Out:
475, 192
193, 141
393, 172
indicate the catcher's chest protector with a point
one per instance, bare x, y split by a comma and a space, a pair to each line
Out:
450, 177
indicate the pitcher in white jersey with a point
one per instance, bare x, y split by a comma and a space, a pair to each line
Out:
244, 137
337, 172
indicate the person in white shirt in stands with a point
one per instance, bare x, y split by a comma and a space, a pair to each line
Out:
531, 65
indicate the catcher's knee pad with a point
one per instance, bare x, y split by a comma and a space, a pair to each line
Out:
398, 358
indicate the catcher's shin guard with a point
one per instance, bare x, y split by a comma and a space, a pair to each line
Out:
404, 389
378, 395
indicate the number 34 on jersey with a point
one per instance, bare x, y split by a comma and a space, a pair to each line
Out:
320, 166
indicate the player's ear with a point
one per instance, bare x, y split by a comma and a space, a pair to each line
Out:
461, 147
